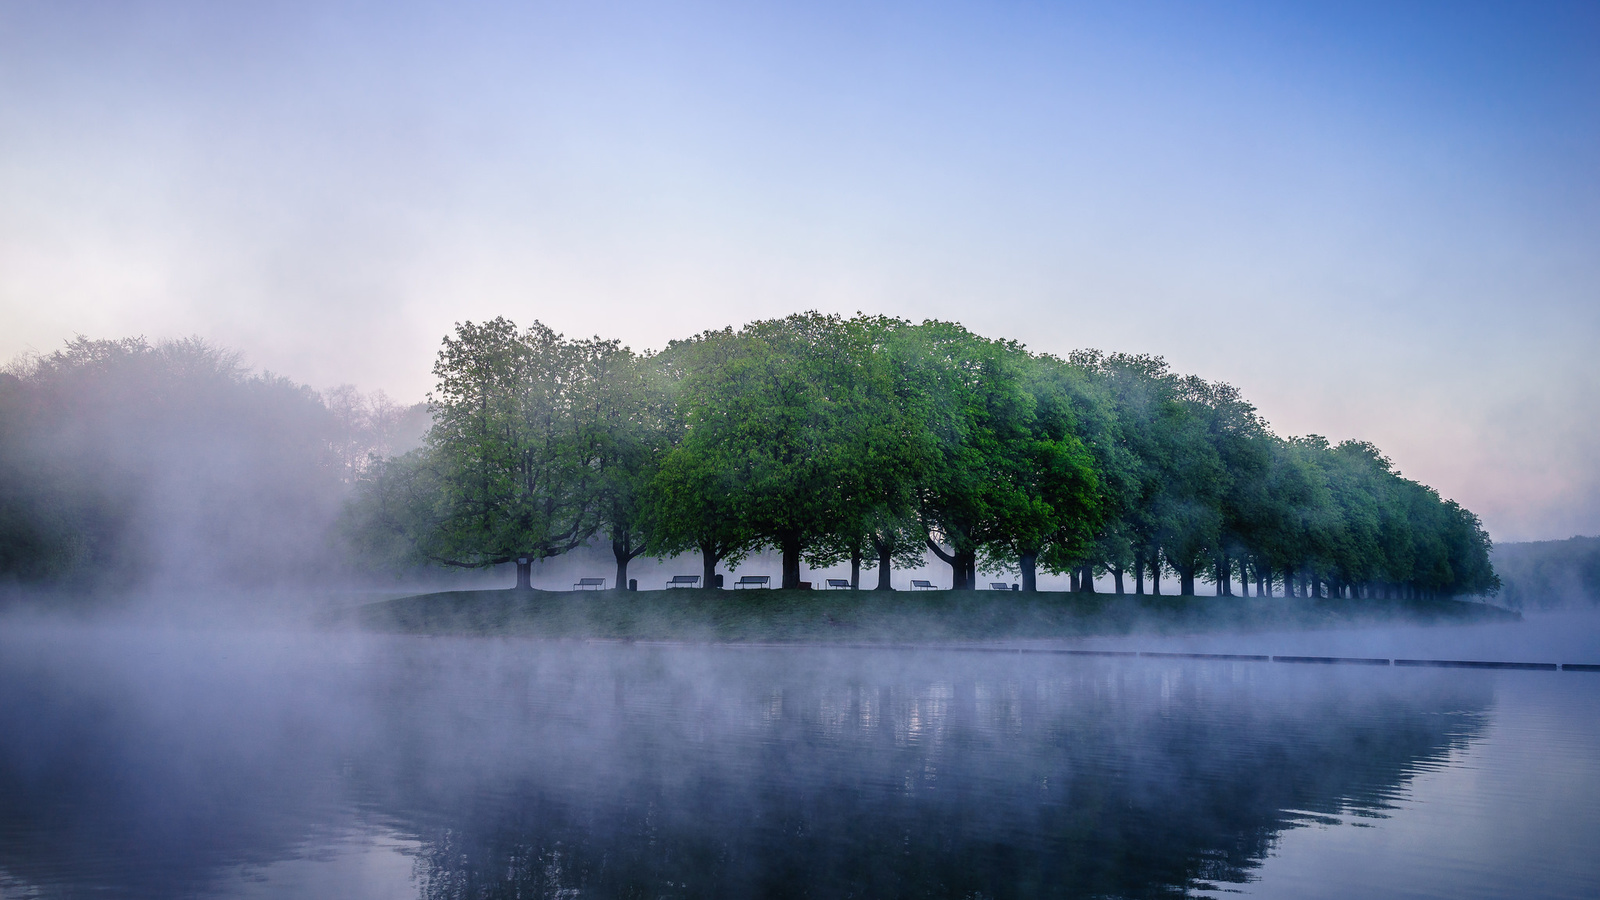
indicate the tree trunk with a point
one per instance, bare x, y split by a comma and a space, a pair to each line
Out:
1155, 575
1086, 580
790, 543
969, 570
1116, 578
525, 574
885, 559
1072, 583
953, 559
1316, 587
624, 554
1138, 574
709, 558
1186, 581
1029, 562
855, 569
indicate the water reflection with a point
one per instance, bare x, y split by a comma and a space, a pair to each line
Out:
156, 767
822, 775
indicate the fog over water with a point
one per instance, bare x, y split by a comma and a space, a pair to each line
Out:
1551, 637
157, 760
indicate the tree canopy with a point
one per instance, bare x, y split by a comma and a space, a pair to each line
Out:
873, 439
868, 439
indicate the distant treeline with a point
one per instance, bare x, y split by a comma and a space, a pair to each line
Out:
1547, 574
125, 463
875, 440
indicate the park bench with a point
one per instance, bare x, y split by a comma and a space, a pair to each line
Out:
746, 581
683, 581
590, 584
999, 586
835, 584
919, 585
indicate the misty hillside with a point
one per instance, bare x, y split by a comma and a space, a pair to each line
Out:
1549, 574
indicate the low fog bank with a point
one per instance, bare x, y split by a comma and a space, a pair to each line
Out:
1549, 574
132, 471
1562, 636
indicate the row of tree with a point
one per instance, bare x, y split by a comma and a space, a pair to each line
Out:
876, 440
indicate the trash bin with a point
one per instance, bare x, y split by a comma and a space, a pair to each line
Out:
633, 584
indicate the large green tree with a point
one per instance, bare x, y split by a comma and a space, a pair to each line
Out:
796, 422
890, 450
626, 423
511, 446
693, 498
1050, 504
979, 412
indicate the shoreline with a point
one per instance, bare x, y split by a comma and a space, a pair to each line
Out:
872, 617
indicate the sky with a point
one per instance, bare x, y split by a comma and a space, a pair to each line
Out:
1379, 220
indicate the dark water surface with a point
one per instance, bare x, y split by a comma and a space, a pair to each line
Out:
202, 763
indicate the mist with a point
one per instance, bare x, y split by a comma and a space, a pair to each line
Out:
1550, 574
137, 468
159, 761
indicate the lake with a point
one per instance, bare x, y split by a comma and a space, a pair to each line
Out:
144, 761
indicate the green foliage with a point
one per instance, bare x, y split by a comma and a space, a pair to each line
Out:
871, 438
797, 434
506, 446
537, 444
867, 439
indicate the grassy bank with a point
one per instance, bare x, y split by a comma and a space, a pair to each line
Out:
776, 615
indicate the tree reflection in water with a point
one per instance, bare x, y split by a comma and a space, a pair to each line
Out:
174, 764
668, 773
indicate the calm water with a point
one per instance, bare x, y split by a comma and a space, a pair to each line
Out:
172, 763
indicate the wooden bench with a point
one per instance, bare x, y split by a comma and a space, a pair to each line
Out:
835, 584
746, 581
999, 586
590, 584
683, 581
917, 585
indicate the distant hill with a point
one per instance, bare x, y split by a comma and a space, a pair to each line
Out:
1549, 574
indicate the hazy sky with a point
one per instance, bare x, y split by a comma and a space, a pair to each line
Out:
1379, 220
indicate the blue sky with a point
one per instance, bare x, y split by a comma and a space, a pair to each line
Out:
1379, 220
